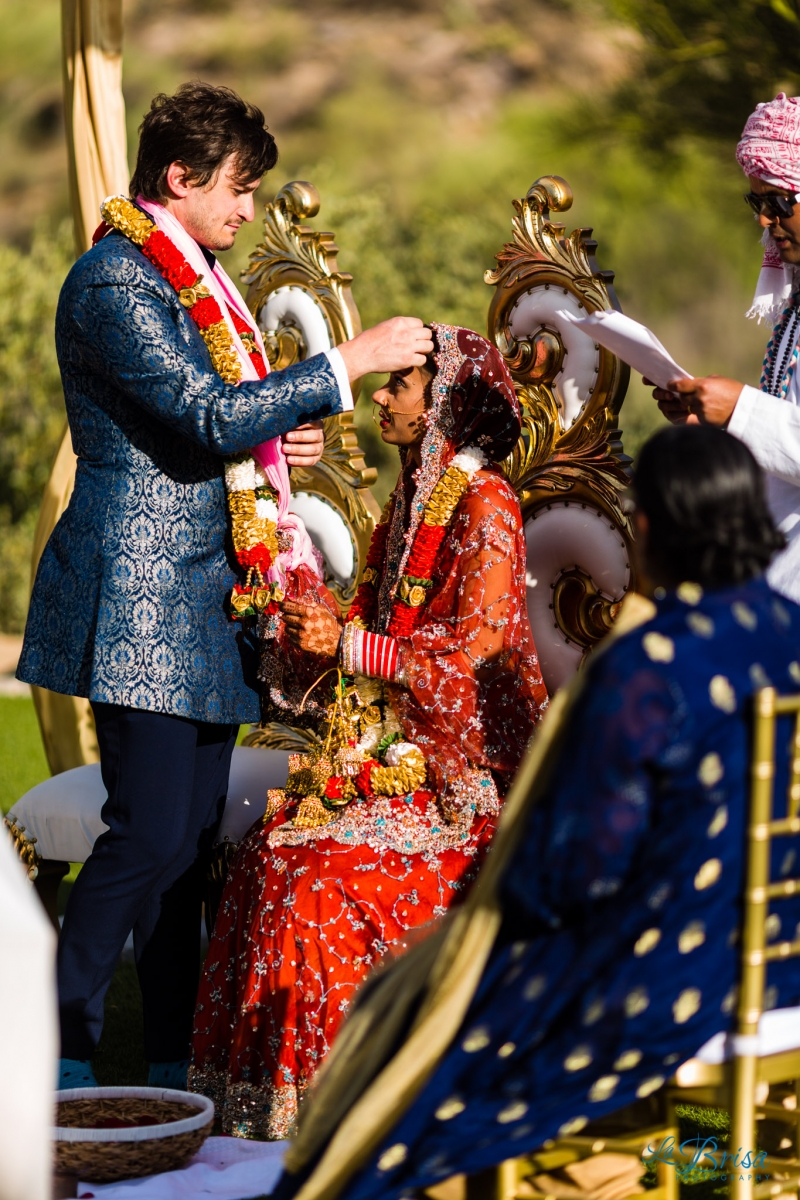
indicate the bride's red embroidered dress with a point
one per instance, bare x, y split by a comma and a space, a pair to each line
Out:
308, 909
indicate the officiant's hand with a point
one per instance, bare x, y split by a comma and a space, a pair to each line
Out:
303, 446
708, 401
391, 346
312, 627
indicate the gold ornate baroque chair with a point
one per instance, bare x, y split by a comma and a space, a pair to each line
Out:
304, 305
568, 467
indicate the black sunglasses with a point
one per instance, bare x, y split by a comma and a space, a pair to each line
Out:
771, 204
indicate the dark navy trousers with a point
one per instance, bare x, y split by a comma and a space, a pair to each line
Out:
166, 778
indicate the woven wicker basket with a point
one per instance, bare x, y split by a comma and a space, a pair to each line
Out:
87, 1145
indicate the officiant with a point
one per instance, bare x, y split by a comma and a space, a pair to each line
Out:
766, 418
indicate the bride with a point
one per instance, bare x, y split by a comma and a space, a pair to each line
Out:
431, 691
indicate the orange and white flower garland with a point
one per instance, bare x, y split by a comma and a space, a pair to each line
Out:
251, 501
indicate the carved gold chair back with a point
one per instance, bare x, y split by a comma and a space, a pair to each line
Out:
304, 305
568, 468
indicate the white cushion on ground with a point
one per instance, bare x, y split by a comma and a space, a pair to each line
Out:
778, 1031
28, 1045
63, 813
224, 1167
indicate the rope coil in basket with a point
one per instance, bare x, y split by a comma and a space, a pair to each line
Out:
103, 1155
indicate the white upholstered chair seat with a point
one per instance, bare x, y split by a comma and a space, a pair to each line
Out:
559, 538
63, 813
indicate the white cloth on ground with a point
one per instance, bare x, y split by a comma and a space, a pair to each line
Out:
28, 1034
226, 1168
770, 427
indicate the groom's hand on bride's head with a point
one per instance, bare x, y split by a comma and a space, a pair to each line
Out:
391, 346
303, 446
312, 628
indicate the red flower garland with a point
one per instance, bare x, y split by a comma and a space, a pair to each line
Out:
366, 596
419, 571
165, 255
251, 346
334, 788
363, 780
255, 556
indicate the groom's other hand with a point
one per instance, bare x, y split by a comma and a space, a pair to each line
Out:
391, 346
303, 446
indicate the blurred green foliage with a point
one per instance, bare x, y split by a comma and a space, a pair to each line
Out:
31, 402
22, 760
705, 66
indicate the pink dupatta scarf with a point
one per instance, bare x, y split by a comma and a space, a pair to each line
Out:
269, 455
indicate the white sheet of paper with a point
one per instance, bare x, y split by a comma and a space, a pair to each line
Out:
635, 344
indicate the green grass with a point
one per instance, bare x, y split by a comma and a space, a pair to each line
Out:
22, 760
694, 1122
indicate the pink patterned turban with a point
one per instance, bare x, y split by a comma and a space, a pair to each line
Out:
770, 149
770, 145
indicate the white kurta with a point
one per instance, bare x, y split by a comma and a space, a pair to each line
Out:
770, 428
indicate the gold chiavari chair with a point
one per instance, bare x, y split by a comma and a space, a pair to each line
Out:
739, 1083
742, 1082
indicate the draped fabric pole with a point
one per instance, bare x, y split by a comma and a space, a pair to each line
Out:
94, 111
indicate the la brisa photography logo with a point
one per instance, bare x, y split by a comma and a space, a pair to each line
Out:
700, 1158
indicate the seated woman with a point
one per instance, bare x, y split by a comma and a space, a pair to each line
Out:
598, 949
382, 827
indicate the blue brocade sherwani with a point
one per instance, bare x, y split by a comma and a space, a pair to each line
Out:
128, 606
617, 958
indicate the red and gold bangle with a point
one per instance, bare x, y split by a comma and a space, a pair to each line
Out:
370, 654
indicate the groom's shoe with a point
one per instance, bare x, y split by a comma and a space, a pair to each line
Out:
169, 1074
75, 1073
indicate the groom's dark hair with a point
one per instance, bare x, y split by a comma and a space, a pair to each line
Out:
200, 126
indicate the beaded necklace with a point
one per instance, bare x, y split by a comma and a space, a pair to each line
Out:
778, 369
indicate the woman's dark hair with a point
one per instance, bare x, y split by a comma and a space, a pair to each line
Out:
703, 495
200, 126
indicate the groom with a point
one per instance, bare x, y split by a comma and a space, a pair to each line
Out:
128, 607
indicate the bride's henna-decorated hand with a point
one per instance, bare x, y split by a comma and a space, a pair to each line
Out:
312, 627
